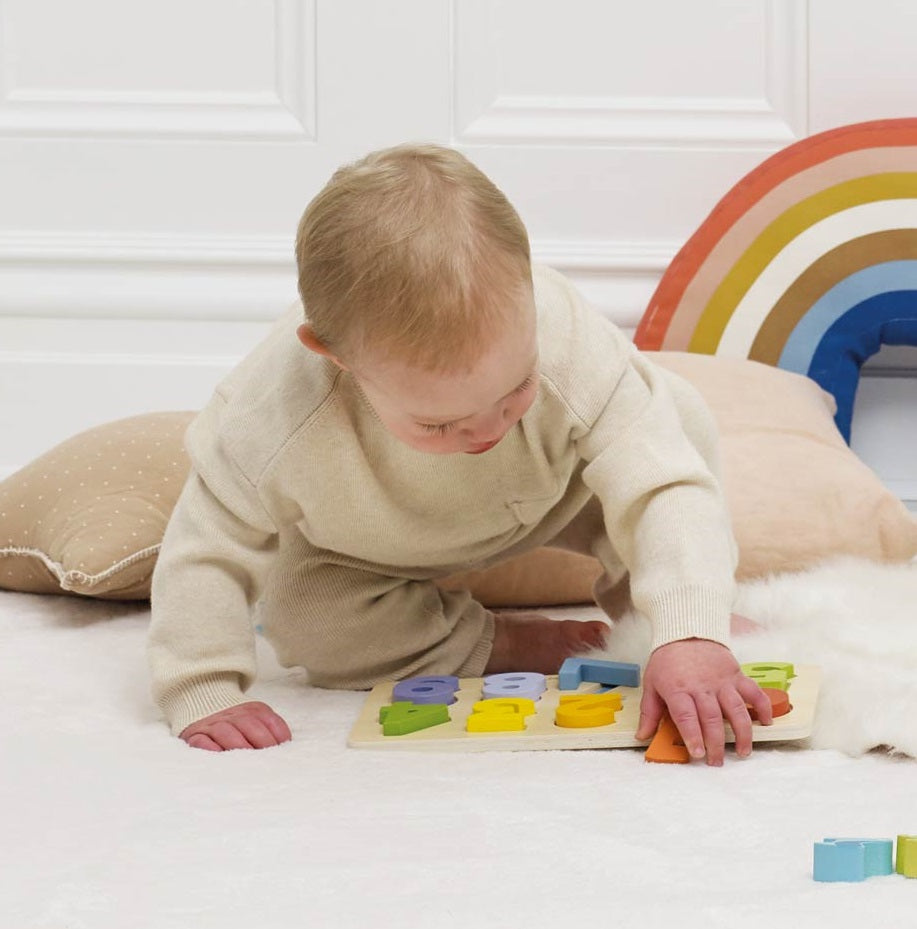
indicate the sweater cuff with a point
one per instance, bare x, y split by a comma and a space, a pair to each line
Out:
689, 613
200, 698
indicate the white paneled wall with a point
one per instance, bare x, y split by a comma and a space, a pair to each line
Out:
155, 159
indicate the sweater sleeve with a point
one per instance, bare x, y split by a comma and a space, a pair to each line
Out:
653, 463
210, 569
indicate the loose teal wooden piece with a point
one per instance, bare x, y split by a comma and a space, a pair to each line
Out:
839, 861
878, 856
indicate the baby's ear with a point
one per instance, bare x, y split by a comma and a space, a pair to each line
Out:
306, 334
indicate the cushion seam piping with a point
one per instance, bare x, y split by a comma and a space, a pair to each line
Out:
68, 579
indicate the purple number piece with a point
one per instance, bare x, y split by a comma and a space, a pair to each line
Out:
529, 684
426, 689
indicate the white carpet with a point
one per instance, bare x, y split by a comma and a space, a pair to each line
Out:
109, 822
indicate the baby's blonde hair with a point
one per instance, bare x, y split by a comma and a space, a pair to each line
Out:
412, 254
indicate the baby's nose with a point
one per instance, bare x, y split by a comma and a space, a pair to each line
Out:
491, 425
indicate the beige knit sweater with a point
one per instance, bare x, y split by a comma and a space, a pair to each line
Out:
299, 495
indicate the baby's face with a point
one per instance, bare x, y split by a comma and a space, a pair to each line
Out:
466, 412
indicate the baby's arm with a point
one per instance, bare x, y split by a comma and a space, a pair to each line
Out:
654, 470
201, 642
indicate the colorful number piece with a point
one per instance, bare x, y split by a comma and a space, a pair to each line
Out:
906, 855
500, 714
426, 689
585, 711
851, 860
771, 674
528, 684
576, 671
780, 703
402, 717
667, 745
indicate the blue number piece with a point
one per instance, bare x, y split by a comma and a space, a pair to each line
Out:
528, 684
575, 671
852, 859
878, 854
426, 689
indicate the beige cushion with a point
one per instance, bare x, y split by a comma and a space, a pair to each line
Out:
87, 517
797, 493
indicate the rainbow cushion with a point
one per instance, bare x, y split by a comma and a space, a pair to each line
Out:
809, 263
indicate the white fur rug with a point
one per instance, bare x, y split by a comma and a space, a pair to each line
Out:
858, 621
108, 822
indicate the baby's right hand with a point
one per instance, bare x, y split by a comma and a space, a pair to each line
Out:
248, 725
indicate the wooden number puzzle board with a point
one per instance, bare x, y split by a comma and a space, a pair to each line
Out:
541, 732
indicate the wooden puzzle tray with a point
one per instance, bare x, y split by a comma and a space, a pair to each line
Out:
542, 733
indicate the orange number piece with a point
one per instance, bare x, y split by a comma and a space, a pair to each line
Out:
667, 746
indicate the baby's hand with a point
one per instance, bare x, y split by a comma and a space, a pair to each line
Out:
701, 683
248, 725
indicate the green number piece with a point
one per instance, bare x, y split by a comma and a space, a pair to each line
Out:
906, 855
402, 717
774, 674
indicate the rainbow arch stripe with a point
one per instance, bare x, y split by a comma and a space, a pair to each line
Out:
808, 263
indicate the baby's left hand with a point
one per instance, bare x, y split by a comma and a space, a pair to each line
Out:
700, 683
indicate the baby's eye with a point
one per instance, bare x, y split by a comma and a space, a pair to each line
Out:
437, 428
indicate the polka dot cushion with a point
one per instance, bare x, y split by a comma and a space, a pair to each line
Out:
87, 517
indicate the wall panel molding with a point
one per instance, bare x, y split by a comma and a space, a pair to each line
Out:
608, 257
288, 112
778, 117
238, 278
85, 276
145, 277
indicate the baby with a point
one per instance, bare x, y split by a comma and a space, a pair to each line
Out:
441, 405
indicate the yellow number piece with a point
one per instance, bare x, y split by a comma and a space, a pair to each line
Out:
583, 711
500, 714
